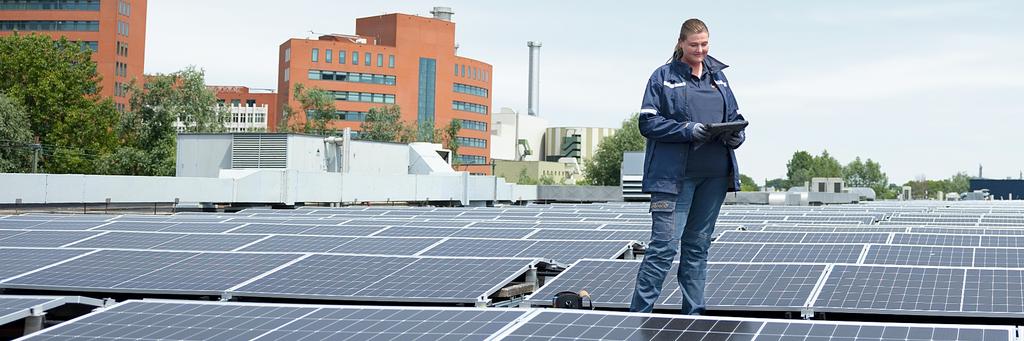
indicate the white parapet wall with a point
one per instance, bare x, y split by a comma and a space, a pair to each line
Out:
259, 186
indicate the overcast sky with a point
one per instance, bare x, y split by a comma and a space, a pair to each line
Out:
927, 88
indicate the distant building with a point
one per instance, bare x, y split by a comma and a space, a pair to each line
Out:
1000, 189
578, 142
395, 59
559, 173
514, 134
114, 30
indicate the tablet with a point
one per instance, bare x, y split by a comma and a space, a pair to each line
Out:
717, 129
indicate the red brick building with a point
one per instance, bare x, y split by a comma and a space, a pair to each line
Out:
114, 29
395, 59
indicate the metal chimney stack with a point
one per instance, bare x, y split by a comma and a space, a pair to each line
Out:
443, 13
534, 99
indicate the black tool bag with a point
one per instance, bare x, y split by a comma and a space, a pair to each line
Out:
572, 300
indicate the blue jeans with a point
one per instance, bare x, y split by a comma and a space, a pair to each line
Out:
680, 222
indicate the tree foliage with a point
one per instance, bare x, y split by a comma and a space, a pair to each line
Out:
868, 173
382, 124
803, 166
605, 167
318, 106
15, 137
747, 184
922, 188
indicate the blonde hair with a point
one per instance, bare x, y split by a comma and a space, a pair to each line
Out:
690, 26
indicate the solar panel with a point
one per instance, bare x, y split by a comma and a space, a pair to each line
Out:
568, 234
920, 255
149, 271
860, 288
297, 244
388, 278
808, 253
45, 238
936, 239
1002, 241
998, 257
208, 242
333, 230
994, 291
851, 238
177, 321
732, 252
19, 261
126, 240
66, 225
760, 237
564, 251
386, 246
137, 226
18, 224
258, 228
200, 227
17, 307
729, 285
247, 321
503, 224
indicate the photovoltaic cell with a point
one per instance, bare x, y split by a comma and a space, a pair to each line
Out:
760, 237
19, 261
809, 253
127, 240
891, 289
994, 291
405, 324
569, 325
852, 238
45, 238
936, 239
920, 255
1002, 241
733, 252
208, 242
385, 246
298, 244
998, 258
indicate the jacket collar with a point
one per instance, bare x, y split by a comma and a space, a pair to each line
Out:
713, 65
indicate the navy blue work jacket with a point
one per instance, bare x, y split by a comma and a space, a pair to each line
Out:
669, 128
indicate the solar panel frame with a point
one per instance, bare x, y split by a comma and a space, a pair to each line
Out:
920, 255
863, 283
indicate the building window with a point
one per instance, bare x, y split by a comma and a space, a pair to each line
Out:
286, 73
474, 125
471, 142
341, 57
353, 96
316, 55
122, 49
428, 75
37, 25
380, 60
470, 107
340, 115
250, 103
391, 61
328, 54
66, 5
366, 59
469, 89
287, 54
122, 28
124, 8
463, 71
353, 77
472, 159
355, 57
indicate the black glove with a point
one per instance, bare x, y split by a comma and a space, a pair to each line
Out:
700, 132
734, 140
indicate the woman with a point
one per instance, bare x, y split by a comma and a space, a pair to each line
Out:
686, 173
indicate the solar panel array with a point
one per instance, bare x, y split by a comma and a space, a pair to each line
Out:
879, 258
237, 321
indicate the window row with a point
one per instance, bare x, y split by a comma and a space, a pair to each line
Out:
120, 89
474, 125
469, 89
472, 159
471, 107
124, 8
38, 25
121, 69
67, 5
122, 28
471, 72
122, 49
354, 77
343, 57
472, 142
352, 96
340, 115
91, 45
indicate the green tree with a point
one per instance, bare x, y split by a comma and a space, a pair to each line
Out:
451, 139
318, 106
605, 167
195, 104
866, 174
747, 184
382, 124
525, 179
799, 169
15, 137
49, 79
778, 183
